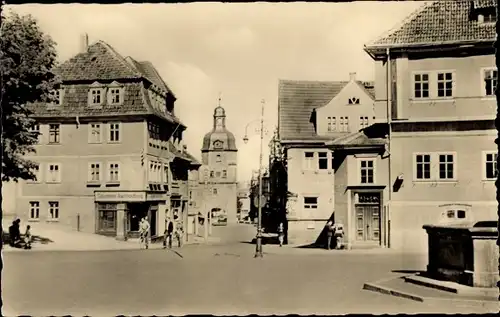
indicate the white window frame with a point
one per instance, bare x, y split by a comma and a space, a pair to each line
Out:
484, 162
109, 170
58, 133
91, 173
363, 122
438, 165
308, 162
91, 137
374, 170
421, 82
111, 131
435, 167
414, 164
58, 174
483, 81
93, 90
56, 96
331, 124
309, 206
115, 89
218, 158
224, 173
36, 128
34, 209
55, 207
437, 81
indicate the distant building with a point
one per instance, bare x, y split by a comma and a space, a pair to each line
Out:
219, 171
110, 150
440, 102
335, 160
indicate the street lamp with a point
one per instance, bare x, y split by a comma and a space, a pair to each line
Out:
258, 242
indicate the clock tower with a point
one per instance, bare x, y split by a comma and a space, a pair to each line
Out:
219, 171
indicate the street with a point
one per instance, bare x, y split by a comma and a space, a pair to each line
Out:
214, 279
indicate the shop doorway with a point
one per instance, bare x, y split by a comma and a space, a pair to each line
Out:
153, 220
136, 211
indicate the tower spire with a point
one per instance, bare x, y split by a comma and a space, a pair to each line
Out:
220, 99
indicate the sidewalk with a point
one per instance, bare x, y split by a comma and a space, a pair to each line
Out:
297, 250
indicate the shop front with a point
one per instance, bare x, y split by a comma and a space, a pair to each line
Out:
120, 212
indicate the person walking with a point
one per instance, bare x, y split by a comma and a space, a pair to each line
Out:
169, 230
27, 238
281, 234
144, 232
329, 229
179, 234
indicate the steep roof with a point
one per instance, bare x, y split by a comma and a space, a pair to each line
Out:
99, 62
148, 71
296, 101
440, 22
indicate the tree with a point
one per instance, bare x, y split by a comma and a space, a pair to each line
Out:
27, 59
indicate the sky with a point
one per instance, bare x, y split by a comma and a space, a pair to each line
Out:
236, 51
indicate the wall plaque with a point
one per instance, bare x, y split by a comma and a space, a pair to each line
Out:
120, 196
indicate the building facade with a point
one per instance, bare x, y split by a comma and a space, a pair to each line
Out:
435, 85
335, 165
110, 149
219, 171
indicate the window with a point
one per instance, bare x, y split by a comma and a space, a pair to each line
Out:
115, 96
34, 210
214, 191
114, 172
353, 101
37, 174
54, 133
460, 214
363, 122
367, 171
54, 173
332, 124
114, 132
423, 166
323, 160
490, 81
491, 170
344, 124
224, 174
53, 210
218, 158
55, 96
95, 96
308, 160
94, 172
95, 133
35, 129
445, 85
310, 202
212, 174
421, 86
446, 166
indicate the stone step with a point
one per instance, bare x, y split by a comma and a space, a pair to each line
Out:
451, 286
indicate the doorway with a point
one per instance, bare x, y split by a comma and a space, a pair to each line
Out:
136, 211
368, 223
153, 220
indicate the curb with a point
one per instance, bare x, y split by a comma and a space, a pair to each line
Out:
387, 291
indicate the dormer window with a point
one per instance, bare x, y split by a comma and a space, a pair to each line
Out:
55, 96
96, 96
353, 101
115, 94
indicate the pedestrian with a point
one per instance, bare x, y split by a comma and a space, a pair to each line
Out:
144, 232
339, 236
27, 238
281, 234
169, 230
329, 231
179, 233
15, 233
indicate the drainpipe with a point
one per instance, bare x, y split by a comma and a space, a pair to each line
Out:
389, 119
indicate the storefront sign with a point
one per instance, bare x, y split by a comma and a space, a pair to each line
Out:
156, 196
120, 196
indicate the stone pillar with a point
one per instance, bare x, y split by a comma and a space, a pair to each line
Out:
121, 227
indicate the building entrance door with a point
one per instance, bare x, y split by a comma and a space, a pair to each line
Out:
153, 220
368, 223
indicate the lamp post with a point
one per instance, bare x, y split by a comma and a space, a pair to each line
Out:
258, 242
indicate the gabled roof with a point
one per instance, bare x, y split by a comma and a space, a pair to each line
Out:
440, 22
296, 101
149, 72
99, 62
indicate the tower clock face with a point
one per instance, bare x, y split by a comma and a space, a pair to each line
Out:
218, 144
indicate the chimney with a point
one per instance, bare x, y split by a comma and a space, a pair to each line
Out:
84, 43
352, 76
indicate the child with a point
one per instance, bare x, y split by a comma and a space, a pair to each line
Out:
27, 238
280, 234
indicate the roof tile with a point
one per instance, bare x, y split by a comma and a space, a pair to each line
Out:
440, 22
